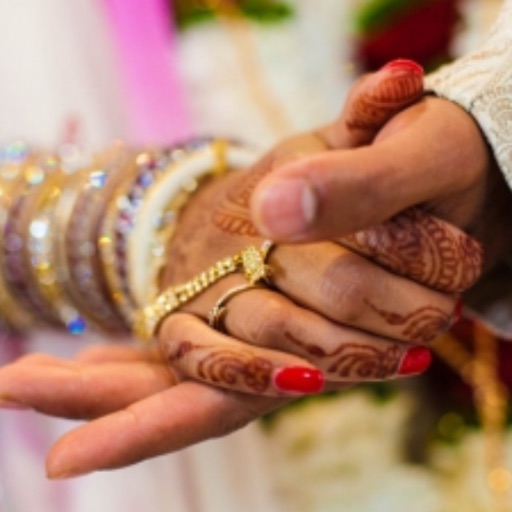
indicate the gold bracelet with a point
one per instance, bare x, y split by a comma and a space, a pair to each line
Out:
42, 240
86, 284
141, 217
35, 172
13, 314
251, 260
136, 176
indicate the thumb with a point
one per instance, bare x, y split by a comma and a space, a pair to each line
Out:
332, 194
436, 156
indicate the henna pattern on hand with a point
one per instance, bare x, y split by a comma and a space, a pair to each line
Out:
355, 360
423, 248
471, 253
234, 222
372, 108
232, 214
179, 250
227, 367
420, 326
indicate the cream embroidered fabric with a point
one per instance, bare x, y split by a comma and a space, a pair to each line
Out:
481, 83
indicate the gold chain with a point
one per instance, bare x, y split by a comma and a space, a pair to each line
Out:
251, 260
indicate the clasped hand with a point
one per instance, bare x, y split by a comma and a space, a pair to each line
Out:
361, 307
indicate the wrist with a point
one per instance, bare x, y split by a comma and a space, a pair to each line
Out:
198, 241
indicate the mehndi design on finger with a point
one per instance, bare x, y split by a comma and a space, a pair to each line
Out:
226, 367
416, 245
366, 362
356, 360
420, 326
371, 108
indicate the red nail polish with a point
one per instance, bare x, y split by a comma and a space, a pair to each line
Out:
406, 65
297, 379
416, 360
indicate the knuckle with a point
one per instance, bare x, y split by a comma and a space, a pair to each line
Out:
270, 323
369, 185
375, 184
175, 326
343, 288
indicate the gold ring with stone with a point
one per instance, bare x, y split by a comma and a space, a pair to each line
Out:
251, 261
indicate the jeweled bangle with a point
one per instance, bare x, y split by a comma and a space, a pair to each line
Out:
120, 218
116, 218
16, 266
13, 314
156, 218
42, 246
86, 280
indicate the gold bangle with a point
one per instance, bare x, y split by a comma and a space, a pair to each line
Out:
86, 284
35, 172
13, 314
42, 240
251, 260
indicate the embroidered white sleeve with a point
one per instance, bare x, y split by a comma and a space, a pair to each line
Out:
481, 83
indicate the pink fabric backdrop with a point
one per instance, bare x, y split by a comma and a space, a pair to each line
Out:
143, 32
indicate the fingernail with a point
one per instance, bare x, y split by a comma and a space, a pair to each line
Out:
416, 360
457, 312
285, 209
63, 475
301, 380
405, 65
12, 405
60, 469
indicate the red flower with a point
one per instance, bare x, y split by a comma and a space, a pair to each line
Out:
423, 34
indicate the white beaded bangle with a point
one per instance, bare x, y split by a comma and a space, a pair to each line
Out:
144, 251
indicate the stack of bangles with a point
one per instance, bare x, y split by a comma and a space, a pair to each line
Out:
82, 239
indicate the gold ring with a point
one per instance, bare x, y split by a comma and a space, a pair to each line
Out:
251, 261
216, 314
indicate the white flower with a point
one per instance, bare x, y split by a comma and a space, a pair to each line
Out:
346, 454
